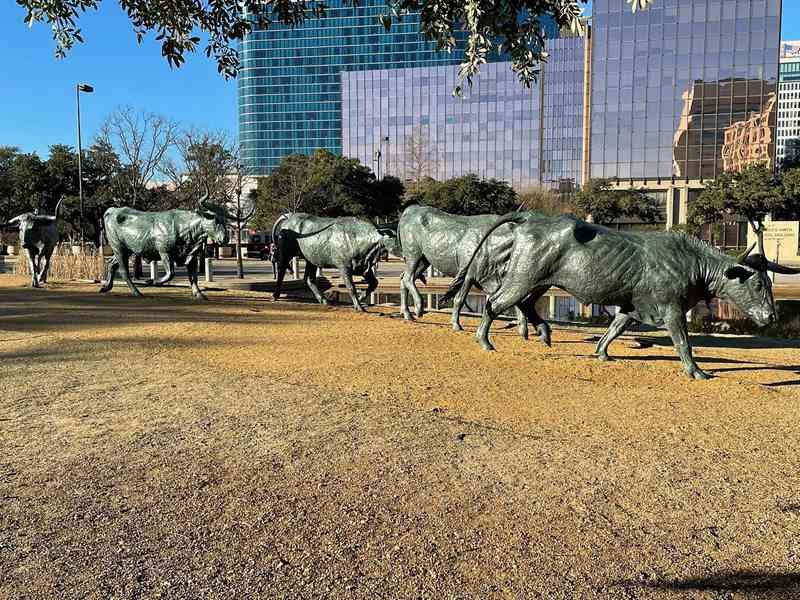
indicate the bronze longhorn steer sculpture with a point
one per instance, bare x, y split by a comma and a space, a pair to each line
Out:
654, 278
429, 236
351, 245
171, 236
38, 234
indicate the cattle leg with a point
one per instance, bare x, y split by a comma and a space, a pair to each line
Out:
34, 269
169, 270
408, 283
348, 281
122, 259
372, 285
618, 325
113, 265
675, 320
528, 307
45, 267
458, 304
191, 269
285, 255
496, 305
310, 276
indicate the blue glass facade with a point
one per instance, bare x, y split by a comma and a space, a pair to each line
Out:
409, 121
289, 83
684, 89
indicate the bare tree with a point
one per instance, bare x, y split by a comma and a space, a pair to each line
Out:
142, 140
420, 158
241, 209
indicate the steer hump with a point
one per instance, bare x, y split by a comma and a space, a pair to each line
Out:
584, 232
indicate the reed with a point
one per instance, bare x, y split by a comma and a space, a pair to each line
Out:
66, 266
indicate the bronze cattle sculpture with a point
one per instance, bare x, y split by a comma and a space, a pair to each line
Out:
38, 234
429, 236
351, 245
654, 278
171, 236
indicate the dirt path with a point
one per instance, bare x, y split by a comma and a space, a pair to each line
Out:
244, 448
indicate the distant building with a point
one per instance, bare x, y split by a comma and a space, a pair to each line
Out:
788, 131
407, 122
682, 91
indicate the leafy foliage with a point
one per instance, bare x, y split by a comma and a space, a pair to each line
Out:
325, 184
466, 195
514, 27
751, 194
600, 202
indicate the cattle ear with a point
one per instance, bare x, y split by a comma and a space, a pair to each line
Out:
738, 272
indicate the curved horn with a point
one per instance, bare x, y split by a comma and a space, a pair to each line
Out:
204, 204
14, 220
743, 257
57, 212
782, 269
51, 218
755, 261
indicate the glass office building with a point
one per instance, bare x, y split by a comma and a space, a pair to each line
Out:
407, 123
683, 90
788, 133
289, 83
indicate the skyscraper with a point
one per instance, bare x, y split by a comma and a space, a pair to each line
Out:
788, 132
682, 91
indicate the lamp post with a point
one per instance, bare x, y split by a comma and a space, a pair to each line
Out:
378, 155
88, 89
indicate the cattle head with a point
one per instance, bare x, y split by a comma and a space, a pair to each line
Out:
746, 283
215, 220
390, 241
30, 223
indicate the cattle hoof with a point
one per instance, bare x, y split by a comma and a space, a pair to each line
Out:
408, 317
605, 357
486, 346
544, 335
324, 301
136, 294
104, 289
457, 327
699, 374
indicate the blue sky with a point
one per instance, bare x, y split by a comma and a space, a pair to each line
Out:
38, 93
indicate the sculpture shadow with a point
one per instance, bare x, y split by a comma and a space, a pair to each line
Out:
744, 581
26, 312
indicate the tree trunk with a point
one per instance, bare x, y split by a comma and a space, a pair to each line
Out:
239, 265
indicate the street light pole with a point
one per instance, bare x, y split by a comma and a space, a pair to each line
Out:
81, 87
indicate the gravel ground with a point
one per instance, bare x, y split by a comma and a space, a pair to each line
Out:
246, 448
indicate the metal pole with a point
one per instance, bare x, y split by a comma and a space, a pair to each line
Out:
80, 171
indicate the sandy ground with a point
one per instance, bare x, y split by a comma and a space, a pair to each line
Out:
245, 448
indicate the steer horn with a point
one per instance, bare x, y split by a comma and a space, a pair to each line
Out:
742, 258
205, 205
51, 218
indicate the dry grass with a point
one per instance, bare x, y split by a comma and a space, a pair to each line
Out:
246, 448
66, 266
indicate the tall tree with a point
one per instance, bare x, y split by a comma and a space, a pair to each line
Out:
750, 194
142, 141
516, 26
600, 202
204, 161
325, 184
465, 195
287, 189
420, 158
